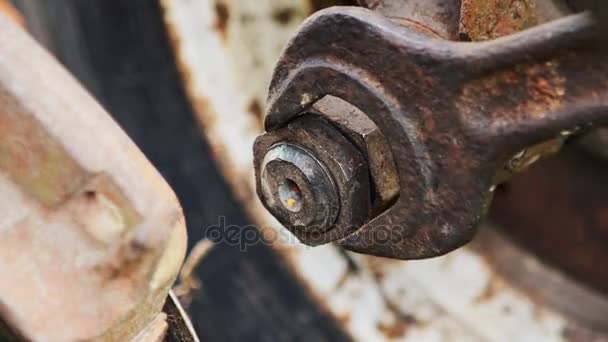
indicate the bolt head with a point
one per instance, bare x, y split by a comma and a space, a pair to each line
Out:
313, 180
297, 188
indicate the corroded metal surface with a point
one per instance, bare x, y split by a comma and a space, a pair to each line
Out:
497, 98
88, 229
489, 19
485, 20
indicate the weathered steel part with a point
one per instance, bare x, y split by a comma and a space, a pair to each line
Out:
521, 211
497, 98
362, 132
557, 209
326, 160
489, 19
594, 142
89, 230
450, 298
440, 16
484, 20
518, 210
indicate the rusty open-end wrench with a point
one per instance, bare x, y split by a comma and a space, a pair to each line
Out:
452, 113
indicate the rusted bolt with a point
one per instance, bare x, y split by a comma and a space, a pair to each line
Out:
297, 188
313, 180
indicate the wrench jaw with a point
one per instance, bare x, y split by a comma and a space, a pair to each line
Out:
438, 104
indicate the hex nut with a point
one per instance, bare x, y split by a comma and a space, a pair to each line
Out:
364, 133
337, 156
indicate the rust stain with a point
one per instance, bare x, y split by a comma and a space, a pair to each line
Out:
393, 331
545, 85
207, 116
101, 185
537, 86
102, 210
90, 195
284, 16
345, 319
528, 90
489, 19
255, 108
532, 90
399, 327
376, 267
11, 12
494, 286
129, 260
222, 14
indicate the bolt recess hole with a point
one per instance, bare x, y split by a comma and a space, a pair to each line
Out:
290, 195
